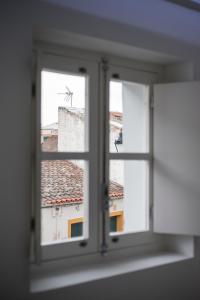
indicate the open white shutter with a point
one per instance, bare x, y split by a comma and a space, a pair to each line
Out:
177, 158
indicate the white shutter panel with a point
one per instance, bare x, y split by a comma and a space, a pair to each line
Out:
177, 158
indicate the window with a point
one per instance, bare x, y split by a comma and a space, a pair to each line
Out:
86, 145
129, 113
75, 228
128, 155
94, 171
116, 221
66, 176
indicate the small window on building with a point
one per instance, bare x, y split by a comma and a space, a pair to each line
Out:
75, 228
116, 221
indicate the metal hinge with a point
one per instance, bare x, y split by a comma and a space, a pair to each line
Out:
105, 197
34, 72
33, 90
32, 225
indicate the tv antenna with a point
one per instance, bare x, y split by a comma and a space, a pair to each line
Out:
68, 95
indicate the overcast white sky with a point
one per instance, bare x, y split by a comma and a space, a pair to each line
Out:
54, 83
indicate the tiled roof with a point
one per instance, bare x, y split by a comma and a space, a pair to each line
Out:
62, 183
116, 113
116, 116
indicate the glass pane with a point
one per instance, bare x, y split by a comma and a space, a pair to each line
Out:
128, 196
64, 201
63, 112
77, 229
129, 117
113, 224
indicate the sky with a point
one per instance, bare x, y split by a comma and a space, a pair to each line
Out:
54, 83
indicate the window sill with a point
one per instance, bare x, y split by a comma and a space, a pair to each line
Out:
102, 270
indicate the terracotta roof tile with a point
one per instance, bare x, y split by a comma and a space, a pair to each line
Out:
62, 183
116, 116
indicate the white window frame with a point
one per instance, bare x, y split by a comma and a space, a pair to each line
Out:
123, 240
99, 241
46, 61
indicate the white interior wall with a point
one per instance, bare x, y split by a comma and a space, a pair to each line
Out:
18, 18
180, 72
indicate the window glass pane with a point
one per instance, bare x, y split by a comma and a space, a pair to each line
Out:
128, 196
64, 112
77, 229
113, 224
129, 117
64, 201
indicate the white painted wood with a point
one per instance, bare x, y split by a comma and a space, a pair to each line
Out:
103, 270
64, 249
64, 155
142, 236
128, 156
176, 158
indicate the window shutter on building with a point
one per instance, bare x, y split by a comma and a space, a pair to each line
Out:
176, 158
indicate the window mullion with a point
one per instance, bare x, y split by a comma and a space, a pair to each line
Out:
64, 155
37, 168
104, 156
130, 156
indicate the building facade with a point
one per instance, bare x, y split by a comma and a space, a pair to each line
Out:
64, 202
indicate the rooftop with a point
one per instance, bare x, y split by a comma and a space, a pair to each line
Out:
116, 116
62, 183
78, 112
52, 126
